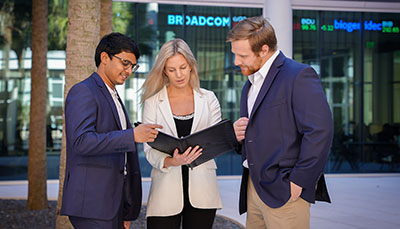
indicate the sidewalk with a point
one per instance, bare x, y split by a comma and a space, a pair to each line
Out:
358, 200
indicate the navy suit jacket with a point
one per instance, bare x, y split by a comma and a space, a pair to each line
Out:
288, 135
96, 146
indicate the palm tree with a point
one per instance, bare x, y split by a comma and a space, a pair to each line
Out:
82, 37
106, 17
37, 175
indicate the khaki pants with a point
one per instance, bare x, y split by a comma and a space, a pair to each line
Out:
293, 214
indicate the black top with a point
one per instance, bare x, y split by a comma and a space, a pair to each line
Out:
183, 126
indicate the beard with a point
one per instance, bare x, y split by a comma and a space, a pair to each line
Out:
247, 70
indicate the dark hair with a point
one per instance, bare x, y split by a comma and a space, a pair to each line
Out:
115, 43
257, 30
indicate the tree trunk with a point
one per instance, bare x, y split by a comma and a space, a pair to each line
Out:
82, 37
37, 170
106, 17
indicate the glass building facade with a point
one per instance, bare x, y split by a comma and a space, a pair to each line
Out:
357, 57
356, 54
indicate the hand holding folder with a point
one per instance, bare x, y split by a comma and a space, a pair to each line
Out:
215, 140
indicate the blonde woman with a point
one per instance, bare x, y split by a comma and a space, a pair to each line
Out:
173, 98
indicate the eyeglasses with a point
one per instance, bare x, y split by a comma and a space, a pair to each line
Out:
127, 64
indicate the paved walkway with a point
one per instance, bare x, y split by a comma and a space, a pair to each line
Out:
358, 201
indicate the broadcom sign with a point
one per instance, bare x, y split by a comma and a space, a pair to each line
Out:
202, 20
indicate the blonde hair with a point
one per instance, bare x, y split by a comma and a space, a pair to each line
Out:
257, 30
157, 78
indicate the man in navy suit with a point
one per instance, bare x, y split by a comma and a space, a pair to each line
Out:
102, 186
285, 130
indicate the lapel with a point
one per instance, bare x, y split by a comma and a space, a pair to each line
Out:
243, 102
273, 71
199, 104
165, 110
128, 123
109, 99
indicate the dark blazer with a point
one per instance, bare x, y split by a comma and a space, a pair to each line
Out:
288, 135
96, 146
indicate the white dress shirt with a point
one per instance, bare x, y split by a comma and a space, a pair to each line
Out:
121, 114
257, 80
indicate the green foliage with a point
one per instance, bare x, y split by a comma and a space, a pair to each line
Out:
124, 18
16, 15
123, 15
58, 20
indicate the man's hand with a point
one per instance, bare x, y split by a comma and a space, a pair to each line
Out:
295, 191
127, 224
146, 132
240, 128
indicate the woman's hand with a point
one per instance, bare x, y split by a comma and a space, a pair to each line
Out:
185, 158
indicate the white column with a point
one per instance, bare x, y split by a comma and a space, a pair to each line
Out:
280, 15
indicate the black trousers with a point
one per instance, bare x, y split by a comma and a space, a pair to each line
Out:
190, 217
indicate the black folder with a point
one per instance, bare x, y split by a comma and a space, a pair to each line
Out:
215, 140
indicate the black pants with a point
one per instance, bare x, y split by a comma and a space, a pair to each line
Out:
191, 218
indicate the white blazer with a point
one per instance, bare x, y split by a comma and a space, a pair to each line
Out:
166, 191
